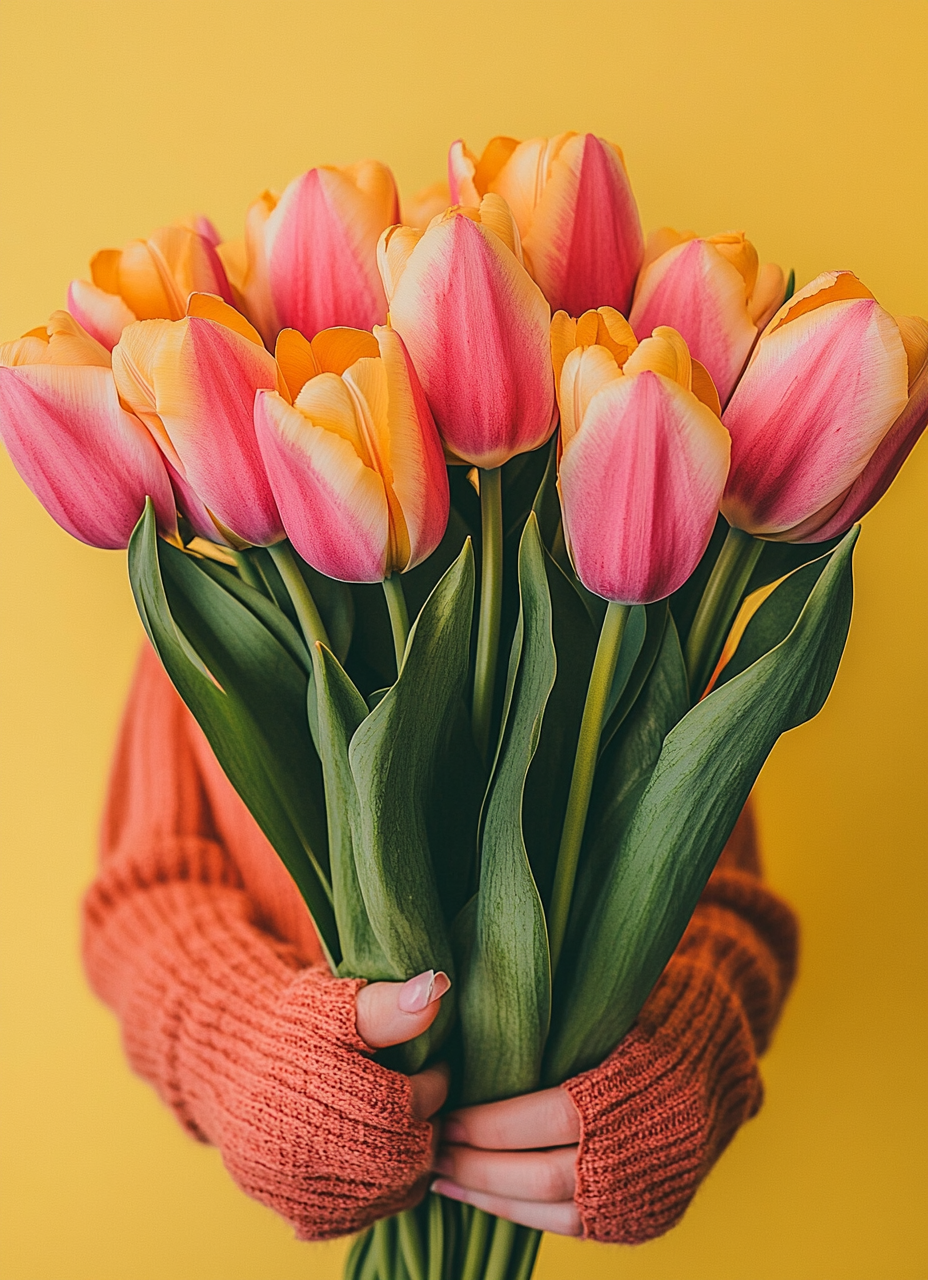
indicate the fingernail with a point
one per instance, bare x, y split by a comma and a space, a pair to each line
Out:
416, 994
442, 1187
440, 986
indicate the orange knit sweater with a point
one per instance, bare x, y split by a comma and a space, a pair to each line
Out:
195, 935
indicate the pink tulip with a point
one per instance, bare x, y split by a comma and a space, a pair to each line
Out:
713, 292
573, 205
193, 382
643, 465
822, 416
355, 462
476, 326
148, 279
309, 260
89, 462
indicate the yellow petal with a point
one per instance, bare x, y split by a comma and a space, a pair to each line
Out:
563, 340
666, 353
338, 348
704, 388
662, 240
374, 180
31, 348
742, 255
496, 216
586, 371
767, 295
134, 358
615, 333
68, 343
522, 179
146, 280
425, 204
295, 360
830, 286
329, 403
104, 270
208, 307
393, 252
495, 154
233, 255
914, 333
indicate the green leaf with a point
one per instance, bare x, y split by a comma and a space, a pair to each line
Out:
505, 996
656, 621
394, 756
629, 651
337, 711
248, 694
706, 768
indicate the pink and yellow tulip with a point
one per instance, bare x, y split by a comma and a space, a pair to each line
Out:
193, 383
309, 258
148, 280
644, 457
477, 328
355, 461
89, 462
831, 403
713, 291
573, 204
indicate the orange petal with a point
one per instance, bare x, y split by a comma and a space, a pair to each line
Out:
830, 286
586, 371
295, 360
338, 348
666, 353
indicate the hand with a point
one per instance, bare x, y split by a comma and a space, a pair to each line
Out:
516, 1159
388, 1013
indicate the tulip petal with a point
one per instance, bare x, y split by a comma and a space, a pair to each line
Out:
477, 329
103, 315
426, 205
702, 295
335, 350
210, 307
89, 462
586, 371
205, 378
419, 477
665, 353
157, 275
640, 485
334, 508
134, 358
321, 244
819, 394
295, 360
585, 243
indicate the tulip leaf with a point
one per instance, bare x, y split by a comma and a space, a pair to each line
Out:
337, 710
707, 766
505, 996
657, 617
629, 651
267, 613
780, 558
394, 756
248, 694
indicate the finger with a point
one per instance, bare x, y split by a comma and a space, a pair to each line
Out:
561, 1219
428, 1091
544, 1119
549, 1176
393, 1012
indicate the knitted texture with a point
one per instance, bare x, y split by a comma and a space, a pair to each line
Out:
200, 943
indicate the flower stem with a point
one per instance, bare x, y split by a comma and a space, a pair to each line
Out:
476, 1245
718, 606
581, 782
307, 614
436, 1238
491, 601
527, 1255
501, 1249
411, 1244
399, 616
248, 571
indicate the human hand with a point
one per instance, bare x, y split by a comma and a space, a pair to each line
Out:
516, 1159
388, 1013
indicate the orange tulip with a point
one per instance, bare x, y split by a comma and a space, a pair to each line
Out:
148, 280
573, 204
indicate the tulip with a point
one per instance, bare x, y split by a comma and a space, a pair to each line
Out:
89, 462
355, 461
713, 292
149, 279
828, 380
573, 204
309, 260
643, 468
193, 383
476, 326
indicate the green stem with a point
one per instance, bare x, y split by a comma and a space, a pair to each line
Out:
247, 571
718, 606
307, 614
476, 1244
581, 782
504, 1238
411, 1244
436, 1238
527, 1255
491, 602
399, 616
381, 1248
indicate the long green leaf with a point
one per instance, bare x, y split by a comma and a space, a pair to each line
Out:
248, 694
706, 768
505, 997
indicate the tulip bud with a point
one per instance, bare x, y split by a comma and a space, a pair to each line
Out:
89, 462
828, 381
355, 461
573, 205
712, 291
309, 258
193, 383
149, 279
644, 458
476, 326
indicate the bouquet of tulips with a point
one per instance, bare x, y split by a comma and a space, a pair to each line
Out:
441, 530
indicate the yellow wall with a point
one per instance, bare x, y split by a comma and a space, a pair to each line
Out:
802, 121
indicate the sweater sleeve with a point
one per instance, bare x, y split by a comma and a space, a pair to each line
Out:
663, 1106
254, 1050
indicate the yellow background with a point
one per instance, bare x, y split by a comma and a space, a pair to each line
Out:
803, 122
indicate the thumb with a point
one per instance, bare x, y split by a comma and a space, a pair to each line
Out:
393, 1012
